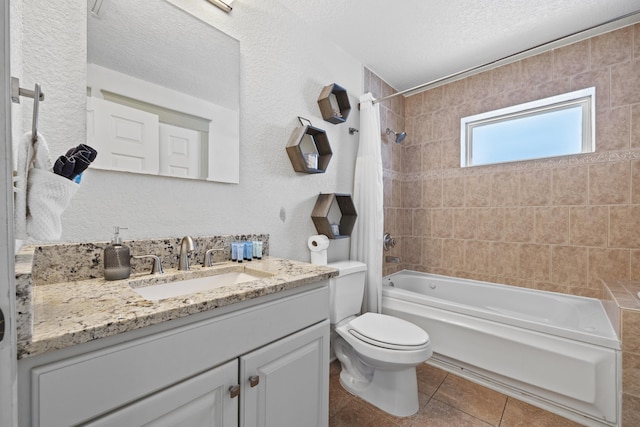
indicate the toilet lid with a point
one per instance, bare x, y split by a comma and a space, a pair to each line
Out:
388, 331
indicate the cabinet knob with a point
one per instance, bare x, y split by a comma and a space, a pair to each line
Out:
234, 391
254, 380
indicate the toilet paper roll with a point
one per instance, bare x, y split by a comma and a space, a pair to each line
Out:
318, 242
318, 246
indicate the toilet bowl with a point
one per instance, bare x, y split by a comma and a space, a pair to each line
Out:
378, 353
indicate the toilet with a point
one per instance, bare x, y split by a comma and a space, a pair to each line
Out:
378, 353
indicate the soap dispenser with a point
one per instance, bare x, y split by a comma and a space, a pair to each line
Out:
117, 261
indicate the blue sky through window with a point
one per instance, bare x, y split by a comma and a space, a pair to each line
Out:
553, 133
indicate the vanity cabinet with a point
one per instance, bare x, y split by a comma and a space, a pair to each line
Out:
265, 365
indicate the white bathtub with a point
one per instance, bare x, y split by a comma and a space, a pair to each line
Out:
555, 351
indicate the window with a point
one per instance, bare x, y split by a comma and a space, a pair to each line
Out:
555, 126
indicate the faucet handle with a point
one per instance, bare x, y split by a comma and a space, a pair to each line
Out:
206, 262
157, 263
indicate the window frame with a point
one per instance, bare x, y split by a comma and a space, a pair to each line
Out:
583, 97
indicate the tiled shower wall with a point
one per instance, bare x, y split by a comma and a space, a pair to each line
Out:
392, 114
557, 224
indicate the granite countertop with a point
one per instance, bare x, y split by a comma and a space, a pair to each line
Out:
75, 312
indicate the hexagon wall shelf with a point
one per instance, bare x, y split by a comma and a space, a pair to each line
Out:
320, 214
334, 104
321, 147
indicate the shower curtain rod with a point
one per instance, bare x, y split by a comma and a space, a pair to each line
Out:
629, 18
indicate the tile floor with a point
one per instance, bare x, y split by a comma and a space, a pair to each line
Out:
445, 400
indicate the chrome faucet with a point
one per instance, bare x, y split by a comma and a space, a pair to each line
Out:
187, 245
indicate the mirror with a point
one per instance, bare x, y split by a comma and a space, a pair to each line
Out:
163, 91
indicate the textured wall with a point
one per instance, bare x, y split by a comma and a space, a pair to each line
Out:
284, 66
559, 224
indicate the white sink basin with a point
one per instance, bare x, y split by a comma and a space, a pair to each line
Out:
191, 286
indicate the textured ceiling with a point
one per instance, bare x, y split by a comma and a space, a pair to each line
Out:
411, 42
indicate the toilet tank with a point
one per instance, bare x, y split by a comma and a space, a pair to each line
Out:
346, 290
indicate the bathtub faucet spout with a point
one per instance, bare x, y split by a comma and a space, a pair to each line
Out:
392, 259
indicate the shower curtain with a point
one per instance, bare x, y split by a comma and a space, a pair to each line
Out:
366, 238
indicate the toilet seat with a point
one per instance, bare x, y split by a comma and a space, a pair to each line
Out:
388, 332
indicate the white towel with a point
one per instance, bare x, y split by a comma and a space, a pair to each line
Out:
41, 196
48, 195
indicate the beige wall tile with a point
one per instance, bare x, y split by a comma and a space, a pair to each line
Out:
450, 154
432, 192
464, 223
445, 124
506, 78
635, 125
490, 223
589, 225
405, 222
636, 41
479, 86
599, 78
421, 222
631, 331
505, 259
477, 257
396, 193
569, 265
552, 225
625, 83
518, 224
609, 183
624, 226
505, 189
635, 265
535, 188
442, 223
453, 254
422, 128
570, 185
433, 100
630, 410
537, 69
570, 60
551, 287
432, 252
608, 264
612, 47
554, 87
413, 104
631, 373
412, 250
412, 194
453, 191
455, 93
612, 129
412, 158
477, 190
535, 262
432, 155
387, 186
391, 221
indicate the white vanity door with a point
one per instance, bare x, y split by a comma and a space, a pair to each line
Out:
126, 138
286, 384
180, 151
203, 400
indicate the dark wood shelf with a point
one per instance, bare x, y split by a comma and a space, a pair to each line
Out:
320, 214
321, 146
330, 96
